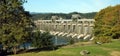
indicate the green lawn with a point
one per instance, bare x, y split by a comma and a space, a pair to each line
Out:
108, 49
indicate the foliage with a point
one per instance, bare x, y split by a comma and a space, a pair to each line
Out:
104, 39
14, 23
41, 40
107, 23
71, 41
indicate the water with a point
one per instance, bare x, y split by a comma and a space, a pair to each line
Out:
60, 40
57, 40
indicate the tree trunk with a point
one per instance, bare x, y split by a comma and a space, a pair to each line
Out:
14, 50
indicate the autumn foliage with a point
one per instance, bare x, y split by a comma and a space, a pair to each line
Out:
107, 24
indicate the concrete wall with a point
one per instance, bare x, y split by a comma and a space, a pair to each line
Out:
82, 26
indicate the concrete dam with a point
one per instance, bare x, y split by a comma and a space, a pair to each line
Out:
76, 27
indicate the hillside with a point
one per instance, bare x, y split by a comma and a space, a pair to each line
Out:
107, 24
45, 16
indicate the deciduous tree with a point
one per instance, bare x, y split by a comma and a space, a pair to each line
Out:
107, 24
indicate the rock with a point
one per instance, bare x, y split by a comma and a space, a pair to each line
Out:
84, 52
99, 43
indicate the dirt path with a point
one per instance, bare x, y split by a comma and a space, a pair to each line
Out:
115, 53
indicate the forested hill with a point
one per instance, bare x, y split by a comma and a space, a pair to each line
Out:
63, 15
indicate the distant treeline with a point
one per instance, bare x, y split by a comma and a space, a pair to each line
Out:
46, 16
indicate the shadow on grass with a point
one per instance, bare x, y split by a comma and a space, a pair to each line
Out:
3, 53
43, 49
36, 50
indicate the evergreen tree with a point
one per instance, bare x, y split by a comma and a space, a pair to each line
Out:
14, 24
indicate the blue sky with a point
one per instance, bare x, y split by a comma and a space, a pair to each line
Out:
67, 6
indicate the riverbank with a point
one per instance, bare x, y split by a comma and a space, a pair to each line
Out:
107, 49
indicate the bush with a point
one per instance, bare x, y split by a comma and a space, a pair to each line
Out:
104, 39
71, 40
41, 40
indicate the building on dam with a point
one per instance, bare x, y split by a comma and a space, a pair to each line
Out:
76, 27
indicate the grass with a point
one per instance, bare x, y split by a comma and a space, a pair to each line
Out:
74, 50
114, 45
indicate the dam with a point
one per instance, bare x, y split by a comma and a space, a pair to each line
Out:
76, 27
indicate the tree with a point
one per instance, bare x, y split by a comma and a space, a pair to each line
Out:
41, 40
107, 24
14, 24
47, 16
75, 17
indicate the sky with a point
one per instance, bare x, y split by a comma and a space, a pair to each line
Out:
67, 6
